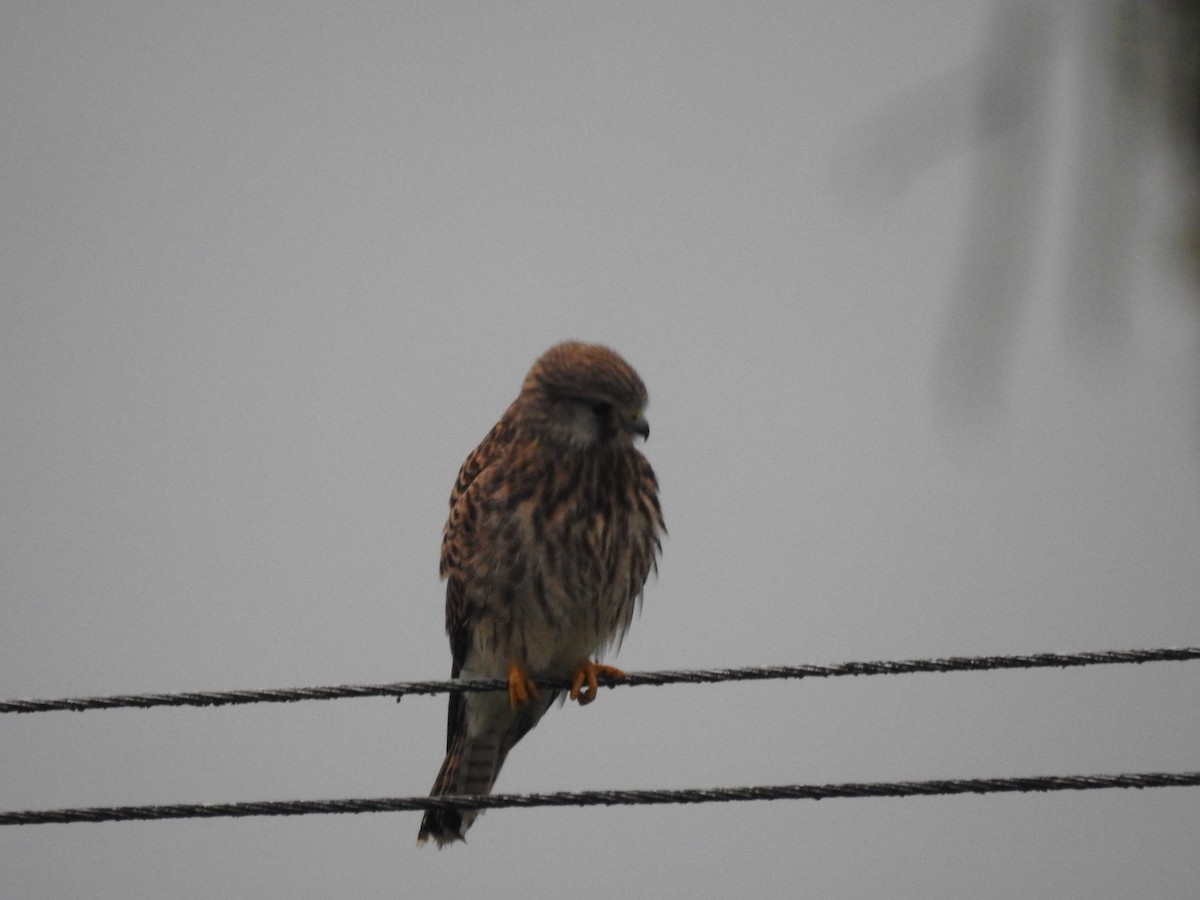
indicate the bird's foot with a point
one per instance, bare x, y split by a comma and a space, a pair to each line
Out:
521, 688
587, 671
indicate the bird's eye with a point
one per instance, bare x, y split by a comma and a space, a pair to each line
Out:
602, 409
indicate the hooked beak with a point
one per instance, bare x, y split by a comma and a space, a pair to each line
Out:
639, 425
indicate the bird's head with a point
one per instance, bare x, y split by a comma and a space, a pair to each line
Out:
584, 396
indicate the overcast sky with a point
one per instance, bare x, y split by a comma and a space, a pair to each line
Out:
270, 271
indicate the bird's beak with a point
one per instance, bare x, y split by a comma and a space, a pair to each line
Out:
639, 425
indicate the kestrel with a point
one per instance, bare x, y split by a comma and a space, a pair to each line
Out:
554, 527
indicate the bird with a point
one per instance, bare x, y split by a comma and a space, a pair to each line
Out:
554, 527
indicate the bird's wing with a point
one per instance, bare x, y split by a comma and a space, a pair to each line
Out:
458, 537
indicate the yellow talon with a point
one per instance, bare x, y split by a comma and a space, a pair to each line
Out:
521, 688
588, 671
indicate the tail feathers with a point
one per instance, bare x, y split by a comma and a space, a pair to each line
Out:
473, 760
470, 767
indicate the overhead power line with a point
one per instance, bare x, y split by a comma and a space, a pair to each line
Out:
609, 798
632, 679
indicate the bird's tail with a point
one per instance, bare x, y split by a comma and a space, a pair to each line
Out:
470, 767
473, 760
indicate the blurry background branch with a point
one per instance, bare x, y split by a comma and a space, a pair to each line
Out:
1137, 102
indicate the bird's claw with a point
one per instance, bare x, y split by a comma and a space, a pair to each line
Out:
588, 671
521, 688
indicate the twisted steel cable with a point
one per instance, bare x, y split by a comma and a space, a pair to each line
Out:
632, 679
1041, 784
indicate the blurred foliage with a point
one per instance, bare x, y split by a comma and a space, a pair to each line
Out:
1158, 62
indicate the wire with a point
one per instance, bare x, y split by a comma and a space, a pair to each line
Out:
632, 679
1042, 784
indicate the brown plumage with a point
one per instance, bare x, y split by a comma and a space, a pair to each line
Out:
554, 527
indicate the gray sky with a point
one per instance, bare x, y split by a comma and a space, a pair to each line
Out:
269, 274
